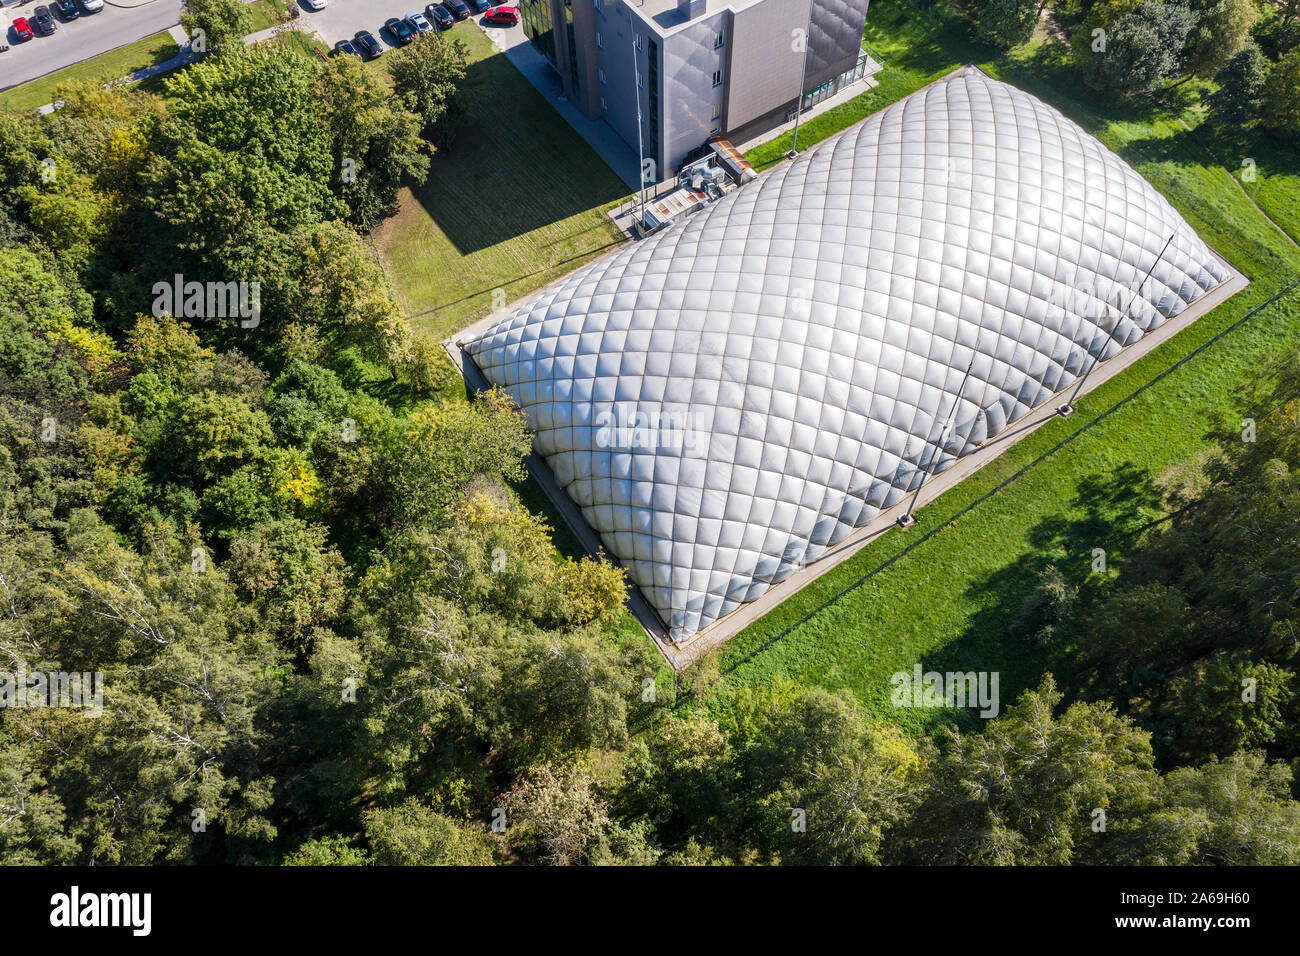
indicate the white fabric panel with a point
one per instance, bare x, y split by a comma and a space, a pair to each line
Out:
786, 360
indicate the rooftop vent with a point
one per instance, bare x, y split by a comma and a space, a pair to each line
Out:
690, 9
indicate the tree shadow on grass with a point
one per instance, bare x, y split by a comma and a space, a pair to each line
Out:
1108, 512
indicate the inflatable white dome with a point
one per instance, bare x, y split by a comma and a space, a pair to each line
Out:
729, 397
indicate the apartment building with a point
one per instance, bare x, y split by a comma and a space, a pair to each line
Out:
668, 74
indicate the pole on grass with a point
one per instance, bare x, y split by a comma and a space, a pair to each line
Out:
907, 520
803, 73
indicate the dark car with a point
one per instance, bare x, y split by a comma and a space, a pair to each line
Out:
458, 8
345, 47
67, 9
22, 29
43, 21
440, 15
506, 15
368, 45
401, 31
479, 6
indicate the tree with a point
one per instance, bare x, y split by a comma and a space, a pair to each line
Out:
342, 289
173, 745
1004, 23
445, 446
832, 783
1280, 99
1144, 48
222, 22
376, 141
326, 851
559, 813
1027, 790
1241, 83
1249, 816
295, 579
1222, 29
242, 163
413, 835
427, 73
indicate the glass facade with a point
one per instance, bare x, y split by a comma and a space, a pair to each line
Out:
832, 86
536, 17
652, 98
573, 44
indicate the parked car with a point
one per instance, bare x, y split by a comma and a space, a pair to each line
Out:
43, 21
92, 6
506, 15
479, 6
368, 45
441, 16
457, 8
345, 47
313, 5
419, 23
67, 9
22, 29
401, 31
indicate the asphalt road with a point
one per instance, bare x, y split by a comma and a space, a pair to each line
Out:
83, 38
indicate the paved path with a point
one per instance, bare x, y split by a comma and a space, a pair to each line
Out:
88, 36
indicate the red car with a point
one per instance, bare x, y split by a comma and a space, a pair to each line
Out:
507, 15
22, 29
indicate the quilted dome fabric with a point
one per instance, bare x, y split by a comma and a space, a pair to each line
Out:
726, 399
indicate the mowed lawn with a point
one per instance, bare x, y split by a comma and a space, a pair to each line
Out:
946, 592
101, 69
515, 200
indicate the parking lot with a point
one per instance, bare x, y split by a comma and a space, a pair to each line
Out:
118, 25
88, 36
343, 18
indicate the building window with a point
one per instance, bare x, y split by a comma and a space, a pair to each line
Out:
603, 105
536, 17
602, 76
717, 77
636, 40
652, 98
720, 40
600, 41
717, 111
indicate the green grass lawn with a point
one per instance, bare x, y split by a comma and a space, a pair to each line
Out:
265, 15
515, 200
945, 592
913, 55
101, 69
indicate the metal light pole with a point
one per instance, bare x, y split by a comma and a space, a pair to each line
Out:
1066, 410
906, 520
640, 144
803, 74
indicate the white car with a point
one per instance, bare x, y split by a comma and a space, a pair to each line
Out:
418, 21
312, 5
92, 6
